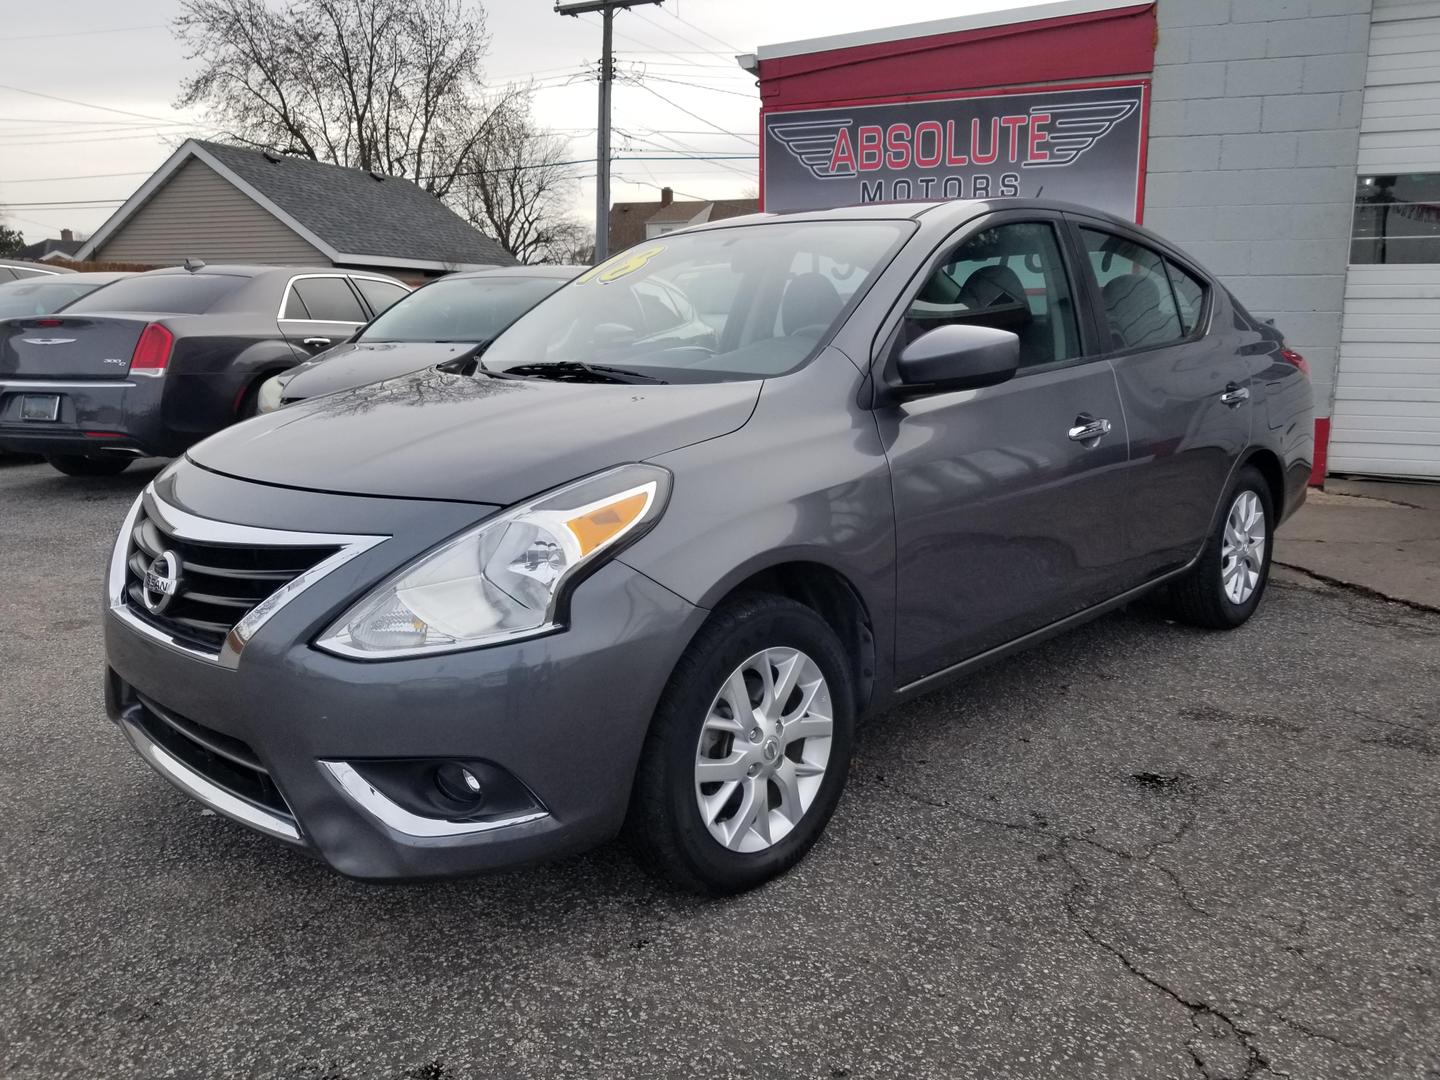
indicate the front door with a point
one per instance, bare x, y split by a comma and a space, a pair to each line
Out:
1185, 387
1005, 497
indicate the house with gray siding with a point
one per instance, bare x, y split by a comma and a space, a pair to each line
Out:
230, 204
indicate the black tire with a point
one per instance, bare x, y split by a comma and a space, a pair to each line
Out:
1199, 598
80, 465
665, 826
250, 404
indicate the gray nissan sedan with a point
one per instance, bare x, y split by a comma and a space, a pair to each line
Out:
643, 563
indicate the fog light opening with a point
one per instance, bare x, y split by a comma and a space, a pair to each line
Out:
460, 785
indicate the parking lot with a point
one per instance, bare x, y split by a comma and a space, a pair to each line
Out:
1138, 851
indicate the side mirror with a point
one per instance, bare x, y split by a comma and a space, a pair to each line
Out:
957, 357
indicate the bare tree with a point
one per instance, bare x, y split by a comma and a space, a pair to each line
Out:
393, 86
517, 185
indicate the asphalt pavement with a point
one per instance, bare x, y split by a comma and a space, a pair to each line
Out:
1137, 851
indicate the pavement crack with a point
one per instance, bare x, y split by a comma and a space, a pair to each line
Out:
1256, 1061
1360, 590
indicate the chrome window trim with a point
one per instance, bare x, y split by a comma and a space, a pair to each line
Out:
203, 790
187, 526
394, 816
290, 285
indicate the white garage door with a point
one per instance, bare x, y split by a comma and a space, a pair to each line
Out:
1386, 418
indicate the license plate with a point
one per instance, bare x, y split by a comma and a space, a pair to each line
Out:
40, 407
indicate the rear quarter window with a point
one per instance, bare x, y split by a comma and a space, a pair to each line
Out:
173, 294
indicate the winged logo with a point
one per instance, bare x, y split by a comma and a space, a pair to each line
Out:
813, 145
1074, 129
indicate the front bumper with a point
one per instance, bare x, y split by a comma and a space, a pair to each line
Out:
566, 714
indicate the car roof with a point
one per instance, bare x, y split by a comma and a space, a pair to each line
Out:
99, 277
246, 270
26, 264
535, 270
955, 209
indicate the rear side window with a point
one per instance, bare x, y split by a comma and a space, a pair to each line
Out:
1135, 290
174, 294
327, 299
379, 294
1189, 295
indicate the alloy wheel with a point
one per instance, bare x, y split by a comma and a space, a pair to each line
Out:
763, 749
1242, 549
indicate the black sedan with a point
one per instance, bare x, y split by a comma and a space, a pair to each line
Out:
156, 362
48, 293
446, 320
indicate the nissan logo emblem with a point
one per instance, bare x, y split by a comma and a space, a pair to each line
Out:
162, 582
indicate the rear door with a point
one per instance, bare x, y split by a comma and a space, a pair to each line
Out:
1185, 385
320, 310
1007, 497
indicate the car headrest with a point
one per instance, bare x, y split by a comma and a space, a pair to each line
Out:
993, 286
810, 300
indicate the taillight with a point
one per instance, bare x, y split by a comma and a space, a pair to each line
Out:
1290, 356
152, 351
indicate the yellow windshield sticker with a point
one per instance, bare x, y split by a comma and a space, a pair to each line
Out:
626, 262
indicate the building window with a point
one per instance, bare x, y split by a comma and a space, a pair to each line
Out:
1397, 219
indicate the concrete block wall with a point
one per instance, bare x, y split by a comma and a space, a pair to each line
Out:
1254, 138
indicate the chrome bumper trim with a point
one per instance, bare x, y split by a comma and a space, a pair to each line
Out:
56, 384
379, 806
201, 789
204, 530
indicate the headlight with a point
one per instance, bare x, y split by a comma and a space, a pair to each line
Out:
506, 578
268, 400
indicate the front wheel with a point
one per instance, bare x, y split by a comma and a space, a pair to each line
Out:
749, 750
1224, 588
81, 465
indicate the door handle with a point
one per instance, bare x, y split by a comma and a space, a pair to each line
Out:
1235, 394
317, 342
1088, 429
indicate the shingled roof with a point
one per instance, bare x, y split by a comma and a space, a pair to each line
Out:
351, 215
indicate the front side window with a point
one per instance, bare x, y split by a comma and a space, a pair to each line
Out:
744, 302
380, 294
1397, 219
1010, 277
1135, 291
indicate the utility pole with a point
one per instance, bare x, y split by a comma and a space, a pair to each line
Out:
606, 10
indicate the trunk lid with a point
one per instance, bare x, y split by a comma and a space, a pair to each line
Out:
74, 347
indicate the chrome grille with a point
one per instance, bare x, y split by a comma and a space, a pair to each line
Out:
217, 585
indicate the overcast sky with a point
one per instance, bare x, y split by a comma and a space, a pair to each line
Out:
112, 56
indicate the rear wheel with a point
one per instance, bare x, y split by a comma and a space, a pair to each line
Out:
1224, 588
81, 465
749, 749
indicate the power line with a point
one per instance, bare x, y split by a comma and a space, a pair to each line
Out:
82, 33
86, 104
56, 179
687, 112
703, 86
702, 30
676, 34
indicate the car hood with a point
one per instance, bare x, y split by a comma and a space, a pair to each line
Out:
433, 435
356, 363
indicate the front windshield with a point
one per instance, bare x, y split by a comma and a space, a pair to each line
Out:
746, 302
460, 309
32, 297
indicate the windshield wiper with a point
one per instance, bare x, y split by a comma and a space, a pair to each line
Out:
575, 371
